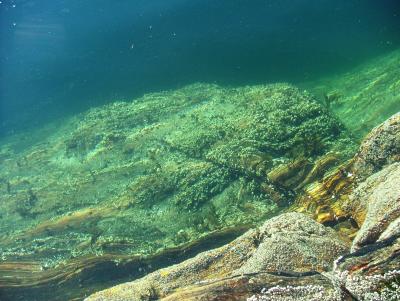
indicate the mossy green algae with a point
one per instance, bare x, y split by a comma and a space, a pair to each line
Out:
165, 169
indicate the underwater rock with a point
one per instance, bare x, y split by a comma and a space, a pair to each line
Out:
379, 148
282, 251
372, 272
379, 199
293, 242
330, 199
290, 175
291, 257
107, 183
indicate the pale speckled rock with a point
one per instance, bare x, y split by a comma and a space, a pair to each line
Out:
372, 272
392, 230
379, 148
290, 243
294, 242
379, 196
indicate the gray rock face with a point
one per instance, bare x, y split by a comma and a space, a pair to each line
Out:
379, 148
285, 247
294, 242
379, 196
371, 273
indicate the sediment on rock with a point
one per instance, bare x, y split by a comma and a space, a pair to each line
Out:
291, 257
110, 181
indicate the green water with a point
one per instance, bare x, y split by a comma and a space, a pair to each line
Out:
118, 158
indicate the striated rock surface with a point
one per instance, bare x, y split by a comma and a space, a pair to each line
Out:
379, 199
285, 247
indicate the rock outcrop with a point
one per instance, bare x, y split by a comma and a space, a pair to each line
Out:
282, 249
381, 147
105, 186
379, 199
291, 257
89, 203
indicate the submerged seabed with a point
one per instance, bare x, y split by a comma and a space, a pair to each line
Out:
126, 188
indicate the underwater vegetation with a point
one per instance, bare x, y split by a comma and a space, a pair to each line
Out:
293, 257
99, 192
206, 157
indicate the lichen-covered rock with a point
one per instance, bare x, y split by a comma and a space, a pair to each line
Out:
379, 199
111, 180
294, 242
372, 272
379, 148
285, 246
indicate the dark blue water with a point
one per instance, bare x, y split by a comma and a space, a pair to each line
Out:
59, 57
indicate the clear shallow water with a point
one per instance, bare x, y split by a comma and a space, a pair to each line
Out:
83, 197
62, 57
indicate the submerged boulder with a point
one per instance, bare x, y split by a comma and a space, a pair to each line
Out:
284, 249
291, 257
379, 199
379, 148
296, 243
106, 185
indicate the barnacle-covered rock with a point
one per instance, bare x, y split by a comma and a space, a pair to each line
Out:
379, 148
290, 249
372, 272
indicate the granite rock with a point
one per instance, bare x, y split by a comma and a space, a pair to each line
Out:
379, 148
379, 199
283, 249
